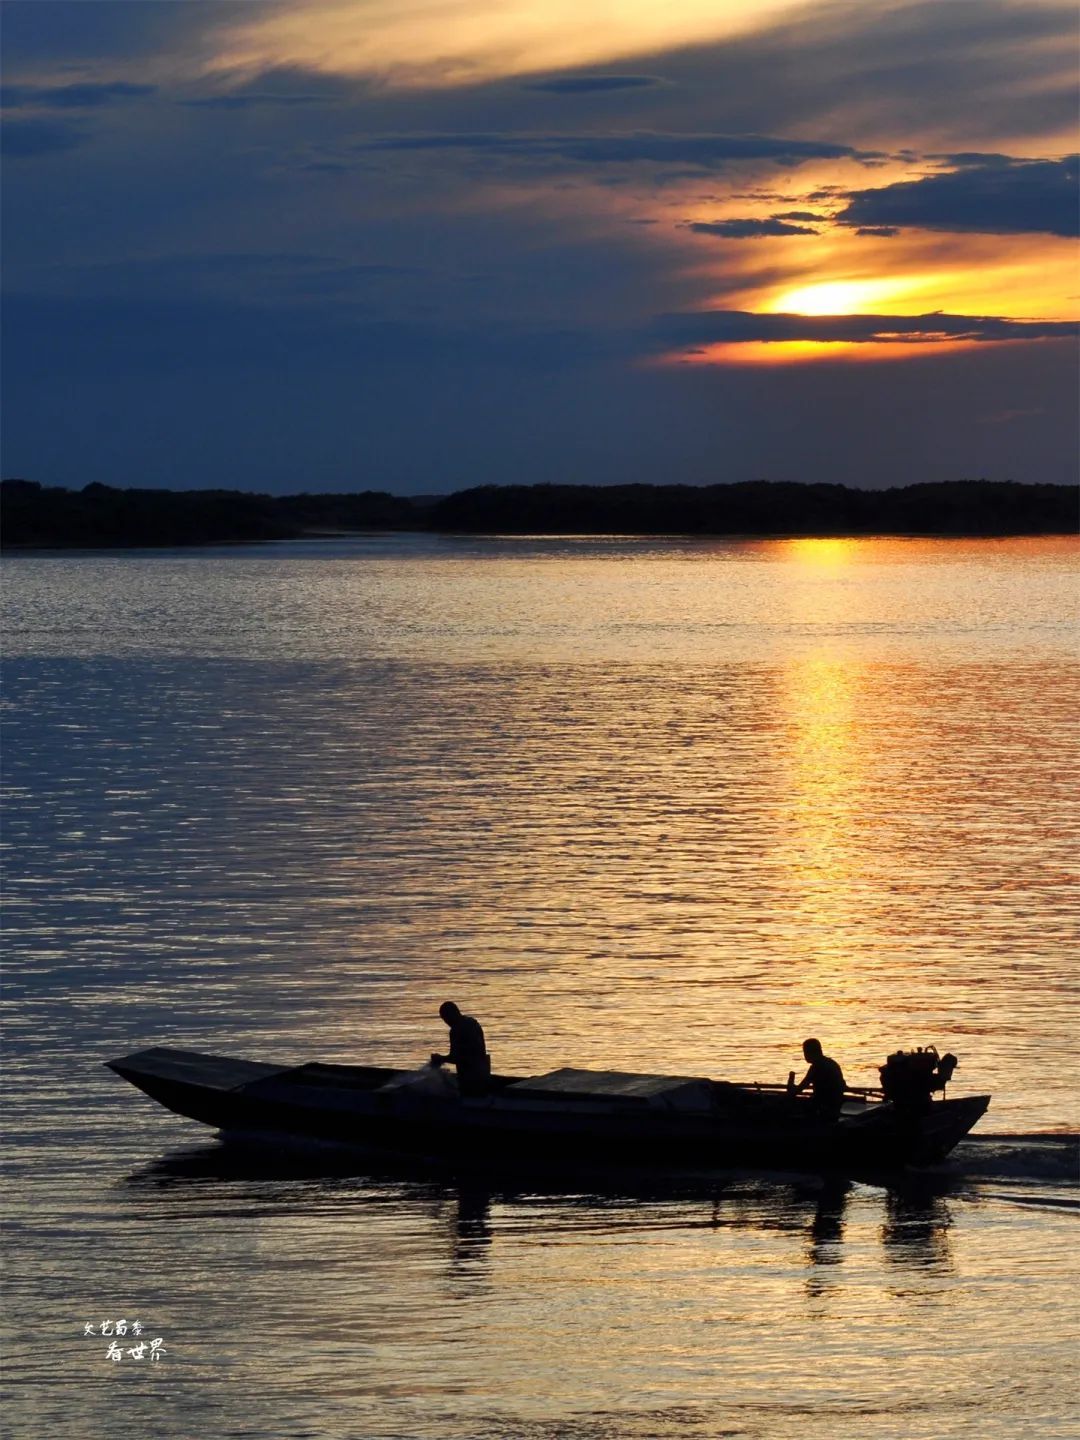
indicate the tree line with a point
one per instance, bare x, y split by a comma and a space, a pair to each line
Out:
104, 516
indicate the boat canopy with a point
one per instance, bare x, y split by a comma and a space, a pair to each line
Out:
658, 1092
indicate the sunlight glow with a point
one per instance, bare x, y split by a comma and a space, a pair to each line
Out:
828, 554
453, 42
797, 352
845, 297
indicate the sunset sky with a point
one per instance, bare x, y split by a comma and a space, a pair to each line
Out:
422, 244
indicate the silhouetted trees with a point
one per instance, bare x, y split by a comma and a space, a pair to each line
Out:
759, 507
103, 516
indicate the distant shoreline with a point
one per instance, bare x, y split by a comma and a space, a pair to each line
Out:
36, 517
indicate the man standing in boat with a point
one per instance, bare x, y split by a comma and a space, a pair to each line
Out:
467, 1051
824, 1078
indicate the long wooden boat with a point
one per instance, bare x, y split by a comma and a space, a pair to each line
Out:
565, 1117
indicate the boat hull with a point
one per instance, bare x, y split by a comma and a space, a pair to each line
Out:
369, 1108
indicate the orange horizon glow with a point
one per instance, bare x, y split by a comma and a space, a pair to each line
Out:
837, 272
795, 352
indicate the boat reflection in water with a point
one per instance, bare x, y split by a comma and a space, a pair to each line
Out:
472, 1213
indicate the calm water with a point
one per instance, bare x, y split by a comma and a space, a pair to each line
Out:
655, 805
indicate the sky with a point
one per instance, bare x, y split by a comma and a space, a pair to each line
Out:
417, 245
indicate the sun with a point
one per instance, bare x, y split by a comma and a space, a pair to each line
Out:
842, 297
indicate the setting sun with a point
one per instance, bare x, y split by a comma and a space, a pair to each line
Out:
843, 297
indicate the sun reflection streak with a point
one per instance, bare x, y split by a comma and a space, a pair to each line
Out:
828, 553
830, 755
821, 846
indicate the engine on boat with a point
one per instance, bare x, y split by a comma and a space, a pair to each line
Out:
910, 1077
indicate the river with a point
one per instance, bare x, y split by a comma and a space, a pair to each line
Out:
635, 803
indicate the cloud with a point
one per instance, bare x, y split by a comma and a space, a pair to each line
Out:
27, 139
965, 159
463, 42
700, 151
89, 96
588, 84
748, 229
899, 71
284, 86
882, 232
734, 327
800, 215
250, 99
988, 194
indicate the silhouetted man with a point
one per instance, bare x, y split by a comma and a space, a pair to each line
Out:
467, 1051
824, 1078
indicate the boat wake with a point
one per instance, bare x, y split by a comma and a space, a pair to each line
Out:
1028, 1159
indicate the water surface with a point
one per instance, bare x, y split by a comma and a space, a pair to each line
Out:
650, 804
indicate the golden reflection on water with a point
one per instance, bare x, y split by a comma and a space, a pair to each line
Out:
826, 765
827, 762
827, 553
828, 754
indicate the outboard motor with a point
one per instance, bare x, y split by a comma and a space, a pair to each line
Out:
909, 1077
944, 1072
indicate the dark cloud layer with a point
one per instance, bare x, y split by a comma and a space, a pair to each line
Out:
748, 229
285, 86
251, 99
584, 84
706, 327
72, 97
702, 151
990, 194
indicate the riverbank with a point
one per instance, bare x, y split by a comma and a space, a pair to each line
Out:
52, 517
